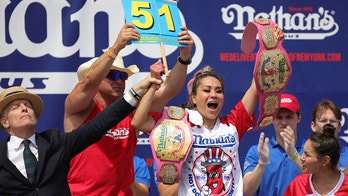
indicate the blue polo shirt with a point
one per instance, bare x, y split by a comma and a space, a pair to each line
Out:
141, 171
279, 173
343, 157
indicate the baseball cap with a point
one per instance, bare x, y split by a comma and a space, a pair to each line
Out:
290, 102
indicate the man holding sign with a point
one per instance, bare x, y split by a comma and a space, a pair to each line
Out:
106, 168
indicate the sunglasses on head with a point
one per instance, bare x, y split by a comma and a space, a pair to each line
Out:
116, 75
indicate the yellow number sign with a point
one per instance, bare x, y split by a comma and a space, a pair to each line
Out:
158, 21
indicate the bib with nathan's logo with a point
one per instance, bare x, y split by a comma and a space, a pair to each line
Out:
171, 140
272, 68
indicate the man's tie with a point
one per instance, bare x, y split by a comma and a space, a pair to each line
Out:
30, 162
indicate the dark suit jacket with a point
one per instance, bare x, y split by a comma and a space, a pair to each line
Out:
56, 149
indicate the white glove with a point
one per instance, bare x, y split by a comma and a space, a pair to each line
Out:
205, 190
263, 149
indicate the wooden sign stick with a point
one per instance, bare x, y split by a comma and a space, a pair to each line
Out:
164, 59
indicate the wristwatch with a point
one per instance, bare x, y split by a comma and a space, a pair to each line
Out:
189, 61
272, 68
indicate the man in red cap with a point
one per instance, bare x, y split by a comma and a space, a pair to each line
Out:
268, 170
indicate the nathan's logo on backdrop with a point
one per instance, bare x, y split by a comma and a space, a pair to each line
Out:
29, 82
39, 82
37, 28
40, 28
299, 23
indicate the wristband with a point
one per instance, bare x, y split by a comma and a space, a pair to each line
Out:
294, 156
133, 102
272, 68
189, 61
111, 54
264, 164
135, 94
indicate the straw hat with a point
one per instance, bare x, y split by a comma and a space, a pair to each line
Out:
116, 65
17, 92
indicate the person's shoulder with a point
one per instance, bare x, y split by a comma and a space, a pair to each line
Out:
252, 152
345, 177
50, 135
79, 110
302, 178
345, 181
49, 132
253, 147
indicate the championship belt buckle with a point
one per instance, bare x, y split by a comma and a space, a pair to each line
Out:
171, 140
272, 68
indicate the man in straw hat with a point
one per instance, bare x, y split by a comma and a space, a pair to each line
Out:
38, 163
106, 168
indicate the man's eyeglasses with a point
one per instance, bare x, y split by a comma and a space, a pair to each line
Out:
328, 121
116, 75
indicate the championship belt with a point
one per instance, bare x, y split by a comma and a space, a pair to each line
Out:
272, 68
171, 141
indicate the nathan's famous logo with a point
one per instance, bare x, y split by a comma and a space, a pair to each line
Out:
171, 140
299, 24
162, 139
170, 137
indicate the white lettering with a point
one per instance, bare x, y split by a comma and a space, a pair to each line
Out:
6, 48
321, 21
39, 82
16, 37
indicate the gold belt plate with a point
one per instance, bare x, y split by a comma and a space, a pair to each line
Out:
171, 140
168, 173
273, 71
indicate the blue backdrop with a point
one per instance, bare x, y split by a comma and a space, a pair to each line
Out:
42, 42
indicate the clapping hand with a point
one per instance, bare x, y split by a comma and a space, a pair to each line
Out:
263, 149
288, 137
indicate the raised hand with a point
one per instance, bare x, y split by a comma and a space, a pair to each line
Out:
263, 149
288, 137
126, 34
278, 32
185, 38
157, 69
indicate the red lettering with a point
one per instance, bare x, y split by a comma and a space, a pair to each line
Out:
334, 57
295, 9
307, 9
237, 57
